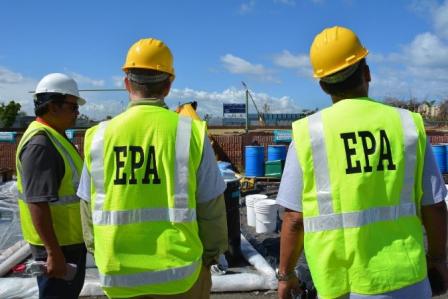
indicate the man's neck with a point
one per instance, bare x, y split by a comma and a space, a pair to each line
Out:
51, 123
148, 101
336, 99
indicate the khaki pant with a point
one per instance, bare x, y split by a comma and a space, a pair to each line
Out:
200, 289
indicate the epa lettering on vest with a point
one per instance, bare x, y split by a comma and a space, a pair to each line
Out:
369, 146
138, 160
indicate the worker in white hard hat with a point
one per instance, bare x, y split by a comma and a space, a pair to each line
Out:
48, 171
156, 192
359, 185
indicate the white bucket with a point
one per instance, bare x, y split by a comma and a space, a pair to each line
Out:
266, 215
446, 197
250, 212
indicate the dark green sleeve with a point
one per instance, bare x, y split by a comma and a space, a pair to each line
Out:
212, 222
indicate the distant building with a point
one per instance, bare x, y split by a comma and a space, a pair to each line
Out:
428, 111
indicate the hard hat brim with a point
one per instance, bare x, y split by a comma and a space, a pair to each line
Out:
80, 101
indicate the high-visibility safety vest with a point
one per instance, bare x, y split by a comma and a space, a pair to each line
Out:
143, 167
362, 165
65, 213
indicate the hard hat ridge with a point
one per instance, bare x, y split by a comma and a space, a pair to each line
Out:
150, 54
335, 49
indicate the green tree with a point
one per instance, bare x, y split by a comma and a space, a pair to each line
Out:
8, 113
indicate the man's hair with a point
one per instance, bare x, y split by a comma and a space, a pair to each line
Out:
42, 100
148, 83
349, 85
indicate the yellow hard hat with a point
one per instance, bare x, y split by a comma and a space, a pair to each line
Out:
335, 49
152, 54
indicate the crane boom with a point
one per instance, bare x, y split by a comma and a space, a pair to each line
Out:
248, 94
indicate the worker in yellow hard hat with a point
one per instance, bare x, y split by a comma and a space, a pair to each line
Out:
360, 180
154, 188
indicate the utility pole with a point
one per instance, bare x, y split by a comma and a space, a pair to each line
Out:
247, 110
260, 117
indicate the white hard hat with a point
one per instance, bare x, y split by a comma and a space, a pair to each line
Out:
59, 83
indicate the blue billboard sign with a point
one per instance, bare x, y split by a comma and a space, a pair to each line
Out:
234, 110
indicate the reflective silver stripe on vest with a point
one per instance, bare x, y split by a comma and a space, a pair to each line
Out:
97, 164
75, 174
357, 219
328, 220
146, 278
321, 173
410, 142
143, 215
180, 212
183, 137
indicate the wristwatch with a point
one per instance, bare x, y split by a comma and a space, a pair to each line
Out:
285, 276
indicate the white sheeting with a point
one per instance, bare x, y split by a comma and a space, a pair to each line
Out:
262, 278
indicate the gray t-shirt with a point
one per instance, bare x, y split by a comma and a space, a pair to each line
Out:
434, 191
42, 170
210, 183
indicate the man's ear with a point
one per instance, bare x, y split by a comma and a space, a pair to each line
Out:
323, 87
367, 76
127, 85
167, 89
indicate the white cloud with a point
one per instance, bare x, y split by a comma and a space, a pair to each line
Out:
16, 87
84, 80
99, 109
301, 62
409, 83
441, 20
211, 102
398, 58
100, 105
286, 2
288, 60
237, 65
421, 67
7, 76
427, 50
118, 81
246, 7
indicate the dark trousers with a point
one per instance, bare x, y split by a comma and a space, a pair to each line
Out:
54, 288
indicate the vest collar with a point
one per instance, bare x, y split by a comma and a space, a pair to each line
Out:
148, 102
354, 99
42, 121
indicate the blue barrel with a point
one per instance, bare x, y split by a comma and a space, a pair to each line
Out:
276, 152
440, 155
254, 156
446, 157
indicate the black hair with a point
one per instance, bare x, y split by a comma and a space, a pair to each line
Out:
42, 100
349, 85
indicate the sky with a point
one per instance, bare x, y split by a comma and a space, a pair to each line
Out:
218, 44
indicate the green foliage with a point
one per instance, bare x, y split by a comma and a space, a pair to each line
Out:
8, 113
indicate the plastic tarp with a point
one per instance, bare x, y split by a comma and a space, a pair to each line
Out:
261, 276
10, 232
